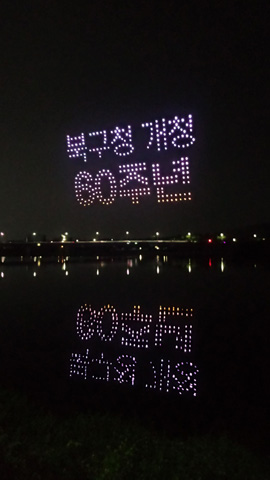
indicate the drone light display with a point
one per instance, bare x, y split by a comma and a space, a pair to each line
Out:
141, 342
137, 177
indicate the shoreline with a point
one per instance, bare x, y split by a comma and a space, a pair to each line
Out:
103, 248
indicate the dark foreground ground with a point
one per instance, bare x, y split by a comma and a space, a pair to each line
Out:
37, 443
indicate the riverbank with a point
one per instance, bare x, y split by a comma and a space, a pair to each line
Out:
234, 250
40, 444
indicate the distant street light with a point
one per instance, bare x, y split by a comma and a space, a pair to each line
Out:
157, 234
127, 233
221, 237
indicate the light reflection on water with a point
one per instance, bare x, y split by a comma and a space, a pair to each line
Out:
129, 264
150, 350
124, 340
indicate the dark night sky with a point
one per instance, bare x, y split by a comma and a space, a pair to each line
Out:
68, 67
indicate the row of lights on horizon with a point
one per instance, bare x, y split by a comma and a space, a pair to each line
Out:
64, 237
221, 237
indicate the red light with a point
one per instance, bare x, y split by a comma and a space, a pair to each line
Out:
209, 240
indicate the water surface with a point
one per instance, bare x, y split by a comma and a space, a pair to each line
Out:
173, 342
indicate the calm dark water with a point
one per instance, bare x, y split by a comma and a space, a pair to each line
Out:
175, 343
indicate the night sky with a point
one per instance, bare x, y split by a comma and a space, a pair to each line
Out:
72, 67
